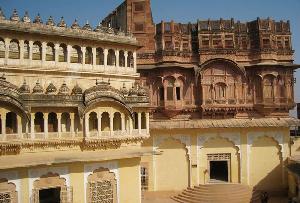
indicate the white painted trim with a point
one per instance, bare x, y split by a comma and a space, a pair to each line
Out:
111, 166
35, 174
13, 177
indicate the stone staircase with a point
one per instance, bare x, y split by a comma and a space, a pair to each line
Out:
218, 193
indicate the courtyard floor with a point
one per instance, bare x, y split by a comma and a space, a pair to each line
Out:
164, 197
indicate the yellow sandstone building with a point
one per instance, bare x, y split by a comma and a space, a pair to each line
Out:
102, 115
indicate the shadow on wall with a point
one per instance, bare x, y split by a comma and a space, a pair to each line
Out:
267, 172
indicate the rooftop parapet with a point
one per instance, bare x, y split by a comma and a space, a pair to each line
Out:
100, 33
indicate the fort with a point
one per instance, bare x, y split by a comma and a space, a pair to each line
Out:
129, 107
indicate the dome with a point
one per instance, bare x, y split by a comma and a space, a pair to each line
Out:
133, 91
2, 16
75, 25
51, 89
64, 90
37, 89
62, 23
15, 16
142, 91
99, 28
87, 26
38, 19
76, 90
50, 21
26, 18
24, 89
124, 90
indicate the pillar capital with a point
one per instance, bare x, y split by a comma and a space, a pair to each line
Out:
58, 115
72, 116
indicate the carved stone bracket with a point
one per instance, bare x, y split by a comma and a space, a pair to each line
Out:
13, 177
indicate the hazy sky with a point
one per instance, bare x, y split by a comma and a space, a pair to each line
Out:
178, 10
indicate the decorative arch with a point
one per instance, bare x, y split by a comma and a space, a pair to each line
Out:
8, 191
26, 50
14, 49
88, 55
76, 54
99, 56
2, 48
50, 52
62, 53
111, 57
130, 60
37, 51
122, 58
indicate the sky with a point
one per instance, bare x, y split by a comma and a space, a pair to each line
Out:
94, 11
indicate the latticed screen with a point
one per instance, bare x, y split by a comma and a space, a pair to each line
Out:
5, 197
144, 178
101, 192
216, 157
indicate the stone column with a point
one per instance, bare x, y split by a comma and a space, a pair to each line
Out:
99, 117
105, 58
148, 122
59, 124
3, 125
69, 48
30, 52
83, 50
111, 123
126, 58
32, 116
19, 124
130, 126
46, 125
140, 122
94, 56
123, 122
134, 61
44, 45
56, 53
117, 58
72, 130
21, 49
86, 125
7, 42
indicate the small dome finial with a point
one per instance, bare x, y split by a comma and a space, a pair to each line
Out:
2, 16
38, 19
62, 22
87, 26
75, 25
15, 16
26, 18
50, 21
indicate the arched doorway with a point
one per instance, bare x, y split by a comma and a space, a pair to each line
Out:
172, 174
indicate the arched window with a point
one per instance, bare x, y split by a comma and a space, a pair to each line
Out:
39, 122
37, 51
62, 53
281, 89
143, 121
117, 121
111, 58
105, 122
88, 55
169, 84
258, 89
52, 122
65, 122
268, 87
135, 120
2, 48
93, 122
14, 49
11, 123
26, 50
76, 54
99, 56
220, 91
121, 58
50, 52
130, 60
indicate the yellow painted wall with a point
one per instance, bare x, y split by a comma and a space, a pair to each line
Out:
130, 191
171, 167
129, 170
265, 165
